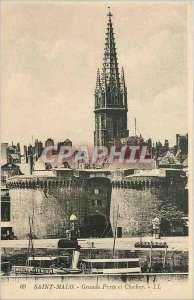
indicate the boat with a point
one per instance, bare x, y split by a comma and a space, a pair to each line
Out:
42, 265
49, 265
151, 245
46, 265
111, 266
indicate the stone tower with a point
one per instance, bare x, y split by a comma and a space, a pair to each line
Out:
110, 96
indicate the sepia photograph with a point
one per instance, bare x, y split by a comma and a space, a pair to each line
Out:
96, 150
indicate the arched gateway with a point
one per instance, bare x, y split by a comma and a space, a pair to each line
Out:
96, 226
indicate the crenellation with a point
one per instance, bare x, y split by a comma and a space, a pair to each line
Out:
55, 199
92, 197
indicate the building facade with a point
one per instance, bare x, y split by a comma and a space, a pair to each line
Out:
38, 148
49, 142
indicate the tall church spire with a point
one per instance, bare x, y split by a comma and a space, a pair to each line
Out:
110, 96
110, 71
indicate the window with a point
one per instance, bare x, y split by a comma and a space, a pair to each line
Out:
122, 264
97, 202
96, 192
110, 265
103, 121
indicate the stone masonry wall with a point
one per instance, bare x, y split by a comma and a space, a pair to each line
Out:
137, 199
52, 201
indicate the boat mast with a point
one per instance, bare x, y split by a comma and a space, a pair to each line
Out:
150, 266
30, 243
164, 263
115, 232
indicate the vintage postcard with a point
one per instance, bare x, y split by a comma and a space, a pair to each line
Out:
96, 150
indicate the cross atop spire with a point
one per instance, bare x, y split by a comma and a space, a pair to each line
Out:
109, 13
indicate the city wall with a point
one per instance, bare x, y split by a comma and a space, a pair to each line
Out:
97, 198
51, 200
138, 198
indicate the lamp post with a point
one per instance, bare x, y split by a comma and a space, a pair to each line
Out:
73, 220
156, 227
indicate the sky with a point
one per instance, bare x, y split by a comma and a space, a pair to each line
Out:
49, 59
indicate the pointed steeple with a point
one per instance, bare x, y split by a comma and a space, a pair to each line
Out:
123, 85
110, 96
110, 71
98, 83
123, 88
